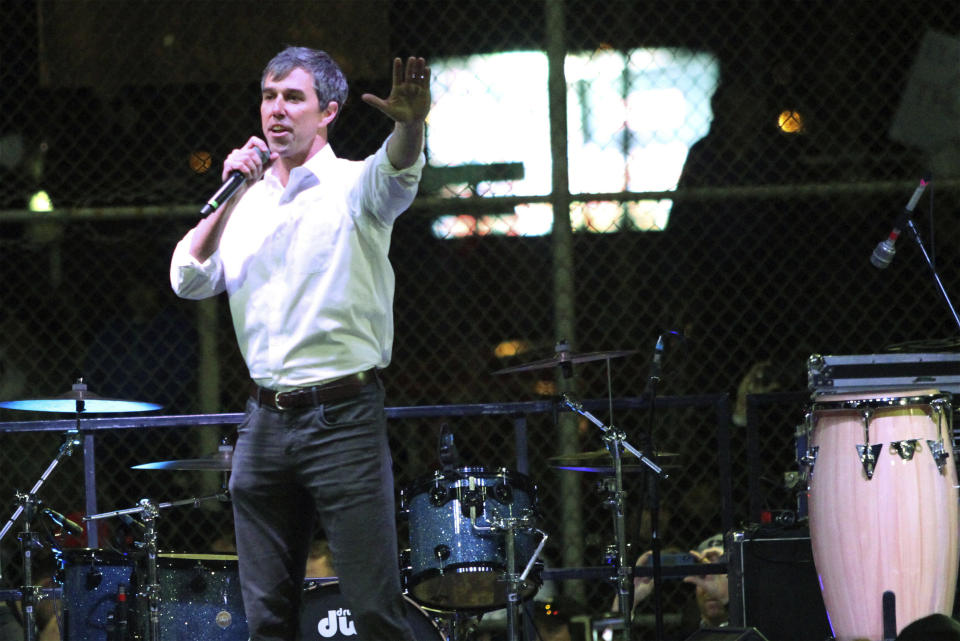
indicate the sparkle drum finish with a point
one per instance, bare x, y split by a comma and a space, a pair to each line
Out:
91, 582
458, 563
200, 598
883, 507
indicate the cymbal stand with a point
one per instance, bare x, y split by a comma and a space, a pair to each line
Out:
27, 504
515, 582
616, 442
150, 512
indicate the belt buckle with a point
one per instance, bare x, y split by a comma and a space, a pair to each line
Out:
277, 403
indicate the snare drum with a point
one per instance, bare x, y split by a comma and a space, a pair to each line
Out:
91, 583
458, 562
200, 598
325, 615
883, 507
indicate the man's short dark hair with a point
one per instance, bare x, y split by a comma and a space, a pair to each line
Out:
328, 79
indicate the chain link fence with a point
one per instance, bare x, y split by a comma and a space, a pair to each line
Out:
726, 169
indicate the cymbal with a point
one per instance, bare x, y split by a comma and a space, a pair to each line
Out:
564, 358
80, 399
219, 462
600, 461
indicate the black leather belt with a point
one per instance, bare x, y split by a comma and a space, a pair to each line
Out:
315, 395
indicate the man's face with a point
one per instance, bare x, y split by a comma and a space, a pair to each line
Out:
712, 601
291, 116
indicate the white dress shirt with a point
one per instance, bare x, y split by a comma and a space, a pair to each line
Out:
306, 270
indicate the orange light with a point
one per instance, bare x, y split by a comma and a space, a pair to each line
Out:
200, 162
790, 122
505, 349
545, 388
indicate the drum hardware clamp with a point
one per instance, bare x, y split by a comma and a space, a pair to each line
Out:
514, 581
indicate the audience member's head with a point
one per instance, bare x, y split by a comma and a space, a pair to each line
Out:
935, 627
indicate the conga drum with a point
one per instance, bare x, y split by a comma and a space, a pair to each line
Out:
883, 507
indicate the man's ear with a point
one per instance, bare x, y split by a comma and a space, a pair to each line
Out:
330, 113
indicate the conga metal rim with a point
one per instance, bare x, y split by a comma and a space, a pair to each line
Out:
879, 399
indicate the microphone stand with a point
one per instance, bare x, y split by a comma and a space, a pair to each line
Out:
654, 496
616, 442
933, 269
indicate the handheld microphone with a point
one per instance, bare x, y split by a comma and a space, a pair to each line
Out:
884, 252
63, 522
229, 187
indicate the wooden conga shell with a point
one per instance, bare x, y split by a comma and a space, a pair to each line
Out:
897, 531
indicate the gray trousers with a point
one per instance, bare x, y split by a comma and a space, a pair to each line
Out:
290, 468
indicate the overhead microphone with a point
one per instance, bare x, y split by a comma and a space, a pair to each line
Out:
656, 364
133, 523
884, 252
229, 187
63, 522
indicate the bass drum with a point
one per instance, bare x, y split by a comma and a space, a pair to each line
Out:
325, 615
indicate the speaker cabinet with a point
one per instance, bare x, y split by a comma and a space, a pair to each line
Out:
774, 585
727, 634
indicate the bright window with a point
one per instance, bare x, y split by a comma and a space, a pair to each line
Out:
632, 117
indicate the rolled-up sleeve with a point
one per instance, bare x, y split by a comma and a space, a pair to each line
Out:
388, 191
192, 279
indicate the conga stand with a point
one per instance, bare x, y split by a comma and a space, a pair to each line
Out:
616, 442
27, 505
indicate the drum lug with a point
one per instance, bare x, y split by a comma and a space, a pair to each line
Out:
438, 496
807, 463
940, 455
471, 499
868, 457
809, 459
906, 448
868, 453
503, 493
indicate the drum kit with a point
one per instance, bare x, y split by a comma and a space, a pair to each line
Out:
884, 522
474, 547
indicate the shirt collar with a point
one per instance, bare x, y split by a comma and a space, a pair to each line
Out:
308, 174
